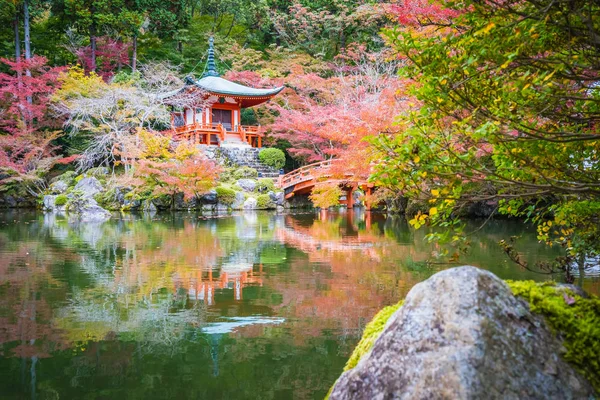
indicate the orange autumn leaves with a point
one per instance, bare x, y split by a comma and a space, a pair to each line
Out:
167, 171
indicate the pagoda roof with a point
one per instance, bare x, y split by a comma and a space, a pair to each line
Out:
220, 86
212, 83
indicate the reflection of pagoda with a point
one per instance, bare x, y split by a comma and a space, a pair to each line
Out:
220, 121
231, 276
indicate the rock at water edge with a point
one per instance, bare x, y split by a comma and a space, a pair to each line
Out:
88, 210
461, 334
49, 202
89, 187
238, 203
250, 203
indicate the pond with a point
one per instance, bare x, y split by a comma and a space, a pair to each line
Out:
249, 306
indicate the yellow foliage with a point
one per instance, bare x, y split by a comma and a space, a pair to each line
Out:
325, 196
76, 83
154, 146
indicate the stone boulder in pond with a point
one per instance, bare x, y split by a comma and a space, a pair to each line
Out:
49, 202
238, 202
88, 210
250, 203
89, 187
277, 198
209, 197
461, 334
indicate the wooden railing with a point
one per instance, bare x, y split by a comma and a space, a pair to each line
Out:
200, 133
302, 174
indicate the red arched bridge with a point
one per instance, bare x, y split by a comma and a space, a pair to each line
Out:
304, 179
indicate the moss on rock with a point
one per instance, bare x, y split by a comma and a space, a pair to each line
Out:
225, 195
245, 173
574, 318
60, 200
266, 185
263, 202
371, 333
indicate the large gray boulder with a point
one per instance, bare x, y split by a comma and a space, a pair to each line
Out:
461, 334
247, 185
238, 203
277, 198
89, 187
49, 202
88, 210
250, 203
59, 187
148, 206
209, 197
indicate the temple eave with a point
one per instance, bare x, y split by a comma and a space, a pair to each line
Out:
240, 95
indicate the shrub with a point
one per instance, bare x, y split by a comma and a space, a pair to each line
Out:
265, 185
68, 177
245, 173
60, 200
263, 201
227, 175
225, 195
324, 196
272, 157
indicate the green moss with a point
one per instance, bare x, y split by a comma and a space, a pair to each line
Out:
577, 323
371, 333
68, 177
272, 157
108, 199
227, 175
141, 194
225, 195
60, 200
245, 173
265, 185
263, 201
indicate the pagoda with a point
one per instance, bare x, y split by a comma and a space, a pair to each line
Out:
218, 120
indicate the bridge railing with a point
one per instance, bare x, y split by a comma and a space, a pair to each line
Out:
302, 174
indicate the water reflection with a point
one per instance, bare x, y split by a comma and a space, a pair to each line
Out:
257, 305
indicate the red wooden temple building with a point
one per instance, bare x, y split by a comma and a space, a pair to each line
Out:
219, 123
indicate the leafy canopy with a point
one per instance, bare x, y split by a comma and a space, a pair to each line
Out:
507, 110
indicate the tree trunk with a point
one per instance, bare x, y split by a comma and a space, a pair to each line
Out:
93, 47
26, 30
27, 34
180, 46
134, 54
17, 38
18, 57
93, 38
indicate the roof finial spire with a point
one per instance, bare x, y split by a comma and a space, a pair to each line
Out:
211, 69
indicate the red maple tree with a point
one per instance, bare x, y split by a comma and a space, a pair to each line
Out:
25, 93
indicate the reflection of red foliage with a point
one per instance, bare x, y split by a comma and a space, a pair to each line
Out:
27, 319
